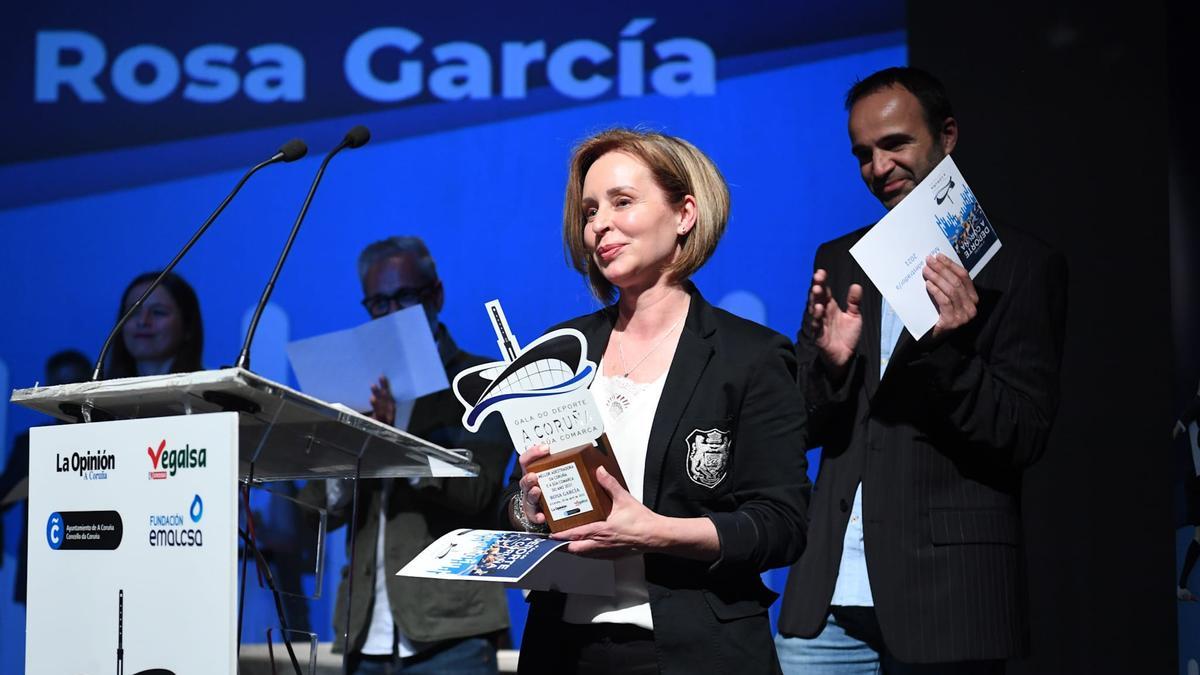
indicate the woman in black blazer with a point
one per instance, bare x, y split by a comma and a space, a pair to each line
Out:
705, 419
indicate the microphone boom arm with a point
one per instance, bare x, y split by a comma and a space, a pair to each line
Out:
291, 151
355, 138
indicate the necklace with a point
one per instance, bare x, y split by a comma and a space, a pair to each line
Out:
657, 344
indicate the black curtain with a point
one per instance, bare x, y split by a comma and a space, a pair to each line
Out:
1063, 118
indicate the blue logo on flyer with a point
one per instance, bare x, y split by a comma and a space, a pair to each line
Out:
968, 229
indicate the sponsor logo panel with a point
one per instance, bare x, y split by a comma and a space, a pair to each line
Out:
177, 530
89, 465
84, 530
166, 462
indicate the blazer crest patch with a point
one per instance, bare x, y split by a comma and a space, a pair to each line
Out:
708, 456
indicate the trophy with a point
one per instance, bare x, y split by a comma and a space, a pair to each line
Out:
541, 392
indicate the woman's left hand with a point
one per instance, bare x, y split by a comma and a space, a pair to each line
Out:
630, 528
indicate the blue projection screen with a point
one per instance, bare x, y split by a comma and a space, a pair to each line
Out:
126, 127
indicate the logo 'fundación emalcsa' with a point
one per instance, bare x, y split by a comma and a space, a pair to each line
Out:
167, 462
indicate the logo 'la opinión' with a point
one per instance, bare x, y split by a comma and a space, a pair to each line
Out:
89, 465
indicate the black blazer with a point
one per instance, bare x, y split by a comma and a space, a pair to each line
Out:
939, 445
735, 377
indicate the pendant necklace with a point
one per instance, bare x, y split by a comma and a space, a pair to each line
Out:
625, 390
621, 348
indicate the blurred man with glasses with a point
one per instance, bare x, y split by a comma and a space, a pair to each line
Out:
401, 624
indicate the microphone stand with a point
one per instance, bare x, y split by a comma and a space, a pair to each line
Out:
291, 151
356, 137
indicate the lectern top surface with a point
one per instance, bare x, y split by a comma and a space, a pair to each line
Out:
284, 434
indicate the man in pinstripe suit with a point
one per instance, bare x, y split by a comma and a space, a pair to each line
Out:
913, 562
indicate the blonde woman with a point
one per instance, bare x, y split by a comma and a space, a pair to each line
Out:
704, 416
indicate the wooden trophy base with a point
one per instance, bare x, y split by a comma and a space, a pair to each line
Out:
570, 494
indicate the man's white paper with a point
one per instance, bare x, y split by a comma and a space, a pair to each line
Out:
940, 215
340, 367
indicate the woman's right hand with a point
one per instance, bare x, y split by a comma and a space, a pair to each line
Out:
531, 492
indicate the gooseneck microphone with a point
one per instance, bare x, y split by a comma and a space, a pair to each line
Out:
289, 152
355, 138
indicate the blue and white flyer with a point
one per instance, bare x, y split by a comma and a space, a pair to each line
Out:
940, 215
519, 559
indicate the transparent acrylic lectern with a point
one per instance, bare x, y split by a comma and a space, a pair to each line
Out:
282, 435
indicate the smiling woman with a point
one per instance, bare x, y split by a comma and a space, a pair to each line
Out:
705, 421
165, 335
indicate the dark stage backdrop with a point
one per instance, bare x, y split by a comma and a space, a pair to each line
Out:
1063, 116
1184, 186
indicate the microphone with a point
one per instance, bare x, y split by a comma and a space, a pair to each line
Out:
355, 138
289, 152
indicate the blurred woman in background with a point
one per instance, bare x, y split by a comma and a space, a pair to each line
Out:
165, 335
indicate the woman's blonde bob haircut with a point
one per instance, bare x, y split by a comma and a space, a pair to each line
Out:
679, 169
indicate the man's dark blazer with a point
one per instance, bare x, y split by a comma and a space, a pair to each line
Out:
426, 610
939, 445
733, 376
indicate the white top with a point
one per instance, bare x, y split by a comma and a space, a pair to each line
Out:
853, 587
627, 409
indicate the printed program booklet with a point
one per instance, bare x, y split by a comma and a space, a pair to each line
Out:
519, 559
940, 215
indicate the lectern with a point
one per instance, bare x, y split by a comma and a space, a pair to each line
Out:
133, 509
